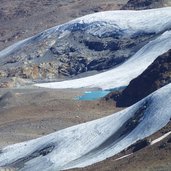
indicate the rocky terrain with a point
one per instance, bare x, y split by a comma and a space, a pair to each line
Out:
157, 75
146, 4
74, 48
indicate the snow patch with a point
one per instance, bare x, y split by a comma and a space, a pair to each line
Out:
125, 156
160, 138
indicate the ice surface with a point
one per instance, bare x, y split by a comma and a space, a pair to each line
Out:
94, 141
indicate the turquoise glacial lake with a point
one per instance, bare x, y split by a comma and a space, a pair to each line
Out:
93, 95
96, 95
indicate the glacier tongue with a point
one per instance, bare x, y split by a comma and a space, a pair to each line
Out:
94, 141
123, 74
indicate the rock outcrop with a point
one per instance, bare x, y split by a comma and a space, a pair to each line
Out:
145, 4
157, 75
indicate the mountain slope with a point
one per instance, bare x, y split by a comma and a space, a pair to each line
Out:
91, 43
157, 75
123, 74
28, 18
95, 140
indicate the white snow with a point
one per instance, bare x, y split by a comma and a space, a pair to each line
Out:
125, 156
153, 20
160, 138
94, 141
123, 74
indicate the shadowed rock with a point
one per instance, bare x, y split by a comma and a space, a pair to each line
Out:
157, 75
145, 4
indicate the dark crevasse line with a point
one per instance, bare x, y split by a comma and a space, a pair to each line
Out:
43, 151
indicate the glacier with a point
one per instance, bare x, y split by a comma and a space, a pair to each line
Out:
156, 21
124, 73
94, 141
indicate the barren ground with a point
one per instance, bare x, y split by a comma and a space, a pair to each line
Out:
29, 113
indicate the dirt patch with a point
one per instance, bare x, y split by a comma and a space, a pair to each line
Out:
29, 113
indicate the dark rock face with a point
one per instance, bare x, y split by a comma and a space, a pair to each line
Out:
139, 145
162, 146
144, 4
133, 122
157, 75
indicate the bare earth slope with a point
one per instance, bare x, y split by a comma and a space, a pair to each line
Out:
30, 113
